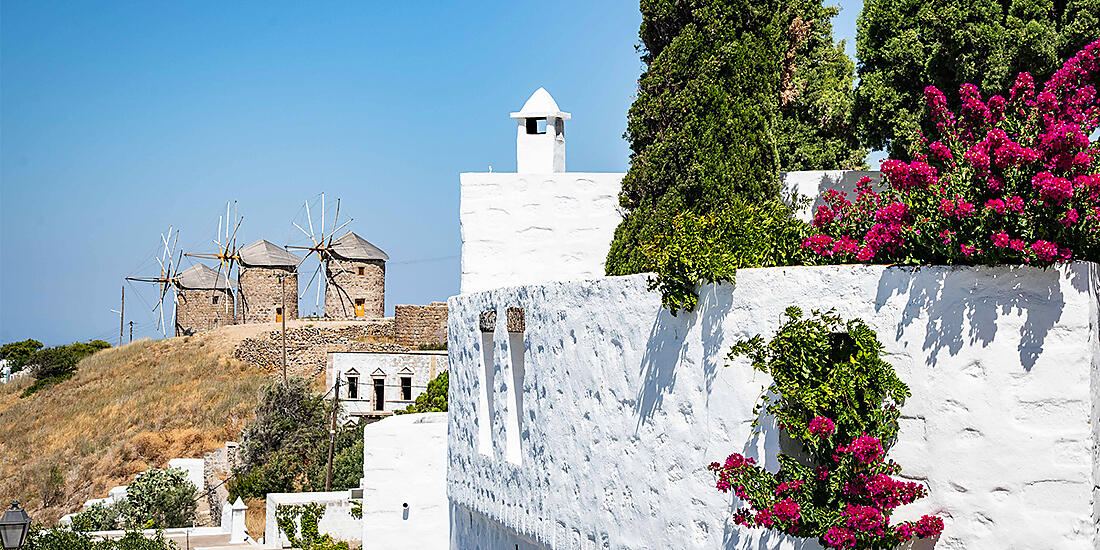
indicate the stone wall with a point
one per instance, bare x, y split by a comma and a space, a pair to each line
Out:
197, 311
594, 426
345, 285
420, 325
259, 294
308, 346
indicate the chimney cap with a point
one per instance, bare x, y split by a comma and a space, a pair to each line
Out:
541, 105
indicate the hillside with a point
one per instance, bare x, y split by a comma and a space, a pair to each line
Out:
127, 409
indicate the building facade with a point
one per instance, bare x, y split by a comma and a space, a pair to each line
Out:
355, 279
267, 288
204, 300
374, 384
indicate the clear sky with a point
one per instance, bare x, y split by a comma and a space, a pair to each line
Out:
118, 119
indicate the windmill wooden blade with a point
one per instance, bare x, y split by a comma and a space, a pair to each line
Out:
308, 218
337, 218
304, 231
315, 272
330, 237
233, 238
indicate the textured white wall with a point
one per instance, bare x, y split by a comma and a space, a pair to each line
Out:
336, 522
404, 461
623, 405
520, 229
532, 228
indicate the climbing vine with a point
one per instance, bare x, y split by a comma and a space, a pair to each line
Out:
304, 517
833, 394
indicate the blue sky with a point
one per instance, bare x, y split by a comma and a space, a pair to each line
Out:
118, 119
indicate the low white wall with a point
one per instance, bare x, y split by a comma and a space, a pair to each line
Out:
621, 406
404, 462
336, 522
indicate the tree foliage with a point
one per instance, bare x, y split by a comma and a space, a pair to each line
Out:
51, 366
732, 92
434, 398
160, 499
17, 354
66, 539
905, 45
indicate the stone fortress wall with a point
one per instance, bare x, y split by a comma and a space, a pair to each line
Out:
259, 294
345, 286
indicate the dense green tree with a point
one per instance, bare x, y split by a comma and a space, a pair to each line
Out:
905, 45
434, 398
733, 92
18, 353
290, 418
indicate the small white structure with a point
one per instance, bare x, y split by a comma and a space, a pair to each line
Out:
404, 483
194, 469
540, 135
378, 383
336, 522
541, 223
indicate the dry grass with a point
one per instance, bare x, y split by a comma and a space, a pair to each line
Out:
255, 517
126, 410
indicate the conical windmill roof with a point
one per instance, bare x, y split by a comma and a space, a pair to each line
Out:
353, 247
202, 277
263, 253
541, 105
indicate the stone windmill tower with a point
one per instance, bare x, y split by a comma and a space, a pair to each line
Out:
265, 272
203, 296
355, 277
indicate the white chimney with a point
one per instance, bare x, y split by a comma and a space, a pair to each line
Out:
540, 137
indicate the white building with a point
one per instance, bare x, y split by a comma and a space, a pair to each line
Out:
374, 384
583, 415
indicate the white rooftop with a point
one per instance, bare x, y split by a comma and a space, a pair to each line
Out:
541, 105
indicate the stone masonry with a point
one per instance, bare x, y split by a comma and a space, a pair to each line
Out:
308, 347
259, 291
350, 281
203, 309
421, 325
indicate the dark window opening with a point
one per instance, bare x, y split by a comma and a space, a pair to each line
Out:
536, 125
214, 299
406, 388
353, 387
379, 394
360, 270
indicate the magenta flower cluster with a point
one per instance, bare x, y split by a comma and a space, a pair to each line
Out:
1008, 181
822, 427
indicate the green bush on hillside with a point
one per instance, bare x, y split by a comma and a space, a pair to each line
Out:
434, 398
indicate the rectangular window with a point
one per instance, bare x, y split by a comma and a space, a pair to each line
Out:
361, 270
379, 394
536, 125
214, 299
406, 388
353, 387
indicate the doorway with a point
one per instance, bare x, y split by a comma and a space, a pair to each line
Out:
360, 307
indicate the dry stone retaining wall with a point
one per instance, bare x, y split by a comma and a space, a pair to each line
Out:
308, 347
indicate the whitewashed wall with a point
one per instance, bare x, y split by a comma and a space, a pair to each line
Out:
531, 228
404, 462
336, 522
622, 405
520, 229
424, 366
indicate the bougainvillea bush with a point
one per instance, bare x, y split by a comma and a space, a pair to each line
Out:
1008, 180
835, 396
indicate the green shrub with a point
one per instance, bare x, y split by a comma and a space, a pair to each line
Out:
66, 539
51, 366
434, 398
279, 472
160, 499
99, 517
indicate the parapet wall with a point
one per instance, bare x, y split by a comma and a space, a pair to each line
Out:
592, 427
420, 325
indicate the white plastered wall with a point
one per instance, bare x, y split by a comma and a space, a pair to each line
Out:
625, 404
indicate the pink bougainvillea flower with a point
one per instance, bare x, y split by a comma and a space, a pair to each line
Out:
822, 427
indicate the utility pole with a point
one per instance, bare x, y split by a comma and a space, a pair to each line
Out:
282, 285
131, 331
332, 433
122, 316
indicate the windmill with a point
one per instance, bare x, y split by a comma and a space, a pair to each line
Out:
168, 277
227, 252
321, 246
